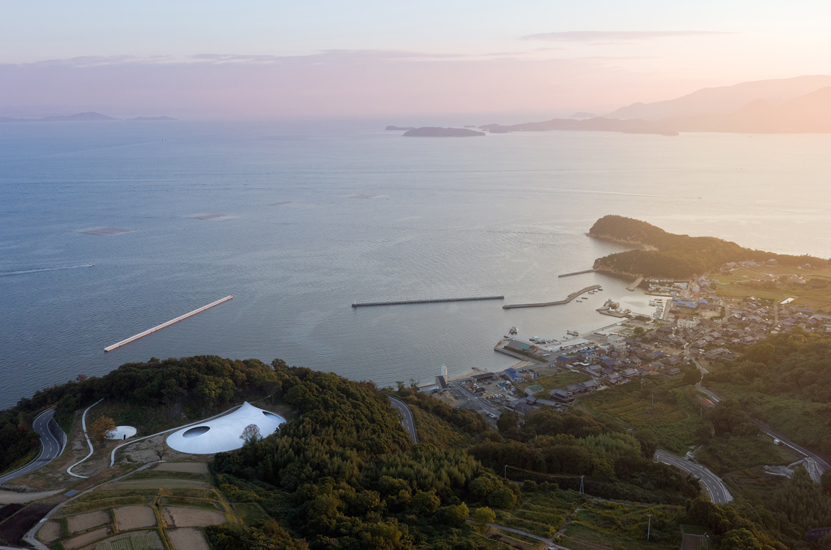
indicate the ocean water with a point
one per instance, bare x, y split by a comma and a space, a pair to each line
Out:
316, 216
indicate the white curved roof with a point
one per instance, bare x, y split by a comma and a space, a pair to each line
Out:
120, 431
223, 433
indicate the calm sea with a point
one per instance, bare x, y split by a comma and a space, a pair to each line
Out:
315, 217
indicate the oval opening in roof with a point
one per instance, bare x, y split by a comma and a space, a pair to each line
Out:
266, 413
196, 432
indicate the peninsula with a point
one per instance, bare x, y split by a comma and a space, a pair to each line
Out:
670, 256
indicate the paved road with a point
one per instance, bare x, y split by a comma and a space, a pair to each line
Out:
407, 419
821, 462
475, 398
714, 485
49, 442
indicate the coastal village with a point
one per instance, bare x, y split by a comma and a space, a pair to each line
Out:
695, 322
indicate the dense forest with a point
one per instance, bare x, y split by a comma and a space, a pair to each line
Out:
671, 256
344, 474
353, 476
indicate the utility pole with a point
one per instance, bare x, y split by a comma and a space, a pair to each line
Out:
649, 527
653, 399
506, 471
581, 485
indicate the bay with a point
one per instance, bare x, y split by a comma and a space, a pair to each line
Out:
317, 215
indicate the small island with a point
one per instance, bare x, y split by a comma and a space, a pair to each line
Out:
399, 128
430, 131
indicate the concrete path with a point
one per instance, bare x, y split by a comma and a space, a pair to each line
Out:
50, 444
714, 485
407, 419
86, 435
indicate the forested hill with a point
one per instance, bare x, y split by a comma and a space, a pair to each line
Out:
671, 256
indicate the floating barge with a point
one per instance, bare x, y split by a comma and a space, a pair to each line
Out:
167, 324
433, 301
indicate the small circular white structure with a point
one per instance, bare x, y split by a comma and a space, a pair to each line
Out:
223, 433
122, 432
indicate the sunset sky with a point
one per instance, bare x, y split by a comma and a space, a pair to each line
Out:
372, 58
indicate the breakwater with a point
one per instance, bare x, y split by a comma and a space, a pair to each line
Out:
433, 301
577, 273
167, 324
570, 297
636, 284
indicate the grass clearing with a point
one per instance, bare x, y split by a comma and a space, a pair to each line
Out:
183, 467
724, 455
673, 420
753, 484
177, 516
251, 513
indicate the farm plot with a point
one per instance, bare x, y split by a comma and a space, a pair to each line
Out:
191, 517
86, 538
134, 517
187, 539
161, 483
50, 532
186, 467
137, 540
83, 522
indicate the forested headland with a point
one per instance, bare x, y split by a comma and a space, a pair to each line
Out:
344, 474
670, 256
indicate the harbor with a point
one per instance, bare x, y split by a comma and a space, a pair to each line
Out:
568, 299
433, 301
167, 324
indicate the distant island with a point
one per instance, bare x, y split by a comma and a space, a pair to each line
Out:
669, 256
83, 117
399, 128
797, 105
442, 132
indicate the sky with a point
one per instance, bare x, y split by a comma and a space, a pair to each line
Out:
366, 58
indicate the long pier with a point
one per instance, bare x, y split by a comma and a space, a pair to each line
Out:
167, 324
434, 301
570, 297
578, 273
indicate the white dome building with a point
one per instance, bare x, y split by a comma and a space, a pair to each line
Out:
223, 433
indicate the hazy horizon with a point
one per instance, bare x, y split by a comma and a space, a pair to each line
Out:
326, 60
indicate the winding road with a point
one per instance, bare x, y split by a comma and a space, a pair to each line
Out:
407, 419
714, 485
821, 462
50, 443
